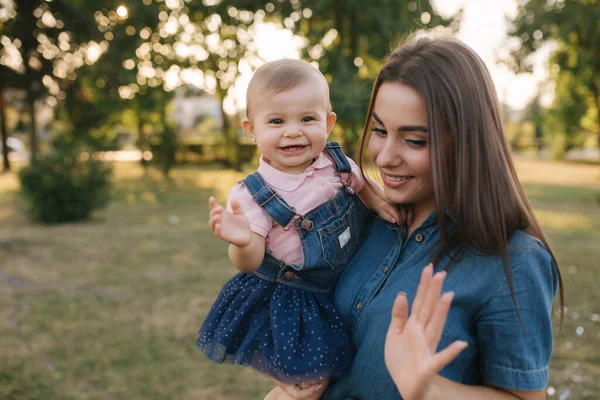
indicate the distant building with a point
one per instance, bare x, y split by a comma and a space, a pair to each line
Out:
196, 113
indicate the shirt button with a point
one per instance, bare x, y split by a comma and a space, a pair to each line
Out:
320, 182
419, 237
386, 269
359, 305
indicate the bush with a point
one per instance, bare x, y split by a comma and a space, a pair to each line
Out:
65, 186
166, 150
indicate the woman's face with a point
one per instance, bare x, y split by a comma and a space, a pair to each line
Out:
400, 146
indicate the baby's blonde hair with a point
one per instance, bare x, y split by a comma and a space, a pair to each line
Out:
278, 76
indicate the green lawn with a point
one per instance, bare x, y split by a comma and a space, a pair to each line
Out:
109, 309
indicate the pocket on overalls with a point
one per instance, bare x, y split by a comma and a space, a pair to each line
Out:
339, 239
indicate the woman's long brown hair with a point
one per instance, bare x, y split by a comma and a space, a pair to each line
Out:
473, 173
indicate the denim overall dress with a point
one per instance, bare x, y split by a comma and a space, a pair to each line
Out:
280, 320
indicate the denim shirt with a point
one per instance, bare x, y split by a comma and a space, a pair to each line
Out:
500, 350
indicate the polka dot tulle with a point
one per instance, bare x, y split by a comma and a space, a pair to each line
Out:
291, 334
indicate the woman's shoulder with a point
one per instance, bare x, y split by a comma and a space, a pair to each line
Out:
526, 249
523, 241
531, 263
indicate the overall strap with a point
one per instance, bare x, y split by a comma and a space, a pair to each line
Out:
334, 151
268, 199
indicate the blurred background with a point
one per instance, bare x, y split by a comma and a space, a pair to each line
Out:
118, 119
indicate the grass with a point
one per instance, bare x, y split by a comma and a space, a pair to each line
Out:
109, 308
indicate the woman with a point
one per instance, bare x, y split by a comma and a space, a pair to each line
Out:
434, 132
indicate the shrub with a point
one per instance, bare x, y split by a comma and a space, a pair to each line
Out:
65, 185
166, 150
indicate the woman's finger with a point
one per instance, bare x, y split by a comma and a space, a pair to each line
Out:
433, 331
399, 314
421, 289
431, 298
445, 357
298, 393
274, 394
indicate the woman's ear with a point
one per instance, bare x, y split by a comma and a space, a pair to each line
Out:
331, 118
248, 128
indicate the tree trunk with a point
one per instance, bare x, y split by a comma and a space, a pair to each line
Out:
4, 135
33, 145
597, 98
232, 143
141, 138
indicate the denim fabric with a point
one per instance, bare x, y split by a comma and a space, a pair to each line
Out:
280, 319
500, 350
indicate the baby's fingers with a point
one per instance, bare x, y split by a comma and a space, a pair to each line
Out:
212, 203
390, 213
214, 220
236, 208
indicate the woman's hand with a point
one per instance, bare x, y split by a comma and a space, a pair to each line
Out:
312, 391
411, 342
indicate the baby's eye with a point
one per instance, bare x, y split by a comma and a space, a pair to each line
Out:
308, 119
276, 121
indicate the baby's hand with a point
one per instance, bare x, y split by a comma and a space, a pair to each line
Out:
233, 227
392, 214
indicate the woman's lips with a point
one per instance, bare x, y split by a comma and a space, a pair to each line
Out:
395, 181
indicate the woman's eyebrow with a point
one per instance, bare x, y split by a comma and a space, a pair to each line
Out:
402, 128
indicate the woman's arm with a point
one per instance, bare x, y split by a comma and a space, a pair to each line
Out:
411, 343
445, 389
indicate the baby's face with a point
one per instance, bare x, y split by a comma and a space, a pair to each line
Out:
291, 127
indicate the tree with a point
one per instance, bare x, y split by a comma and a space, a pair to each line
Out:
570, 25
3, 134
349, 41
44, 44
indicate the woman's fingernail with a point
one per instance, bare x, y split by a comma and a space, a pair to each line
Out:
318, 387
401, 294
393, 221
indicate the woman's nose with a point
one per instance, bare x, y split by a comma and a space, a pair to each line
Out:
390, 155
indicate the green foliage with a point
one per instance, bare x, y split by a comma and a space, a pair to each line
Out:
349, 41
165, 151
65, 185
571, 26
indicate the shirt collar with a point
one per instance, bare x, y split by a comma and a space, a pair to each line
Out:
430, 221
290, 182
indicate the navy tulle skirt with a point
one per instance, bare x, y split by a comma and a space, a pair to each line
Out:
293, 335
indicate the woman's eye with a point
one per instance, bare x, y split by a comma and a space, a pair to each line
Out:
379, 131
416, 143
276, 121
307, 119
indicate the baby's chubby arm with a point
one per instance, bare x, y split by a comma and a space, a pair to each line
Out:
246, 248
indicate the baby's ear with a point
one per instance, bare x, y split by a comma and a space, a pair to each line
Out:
248, 127
331, 118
